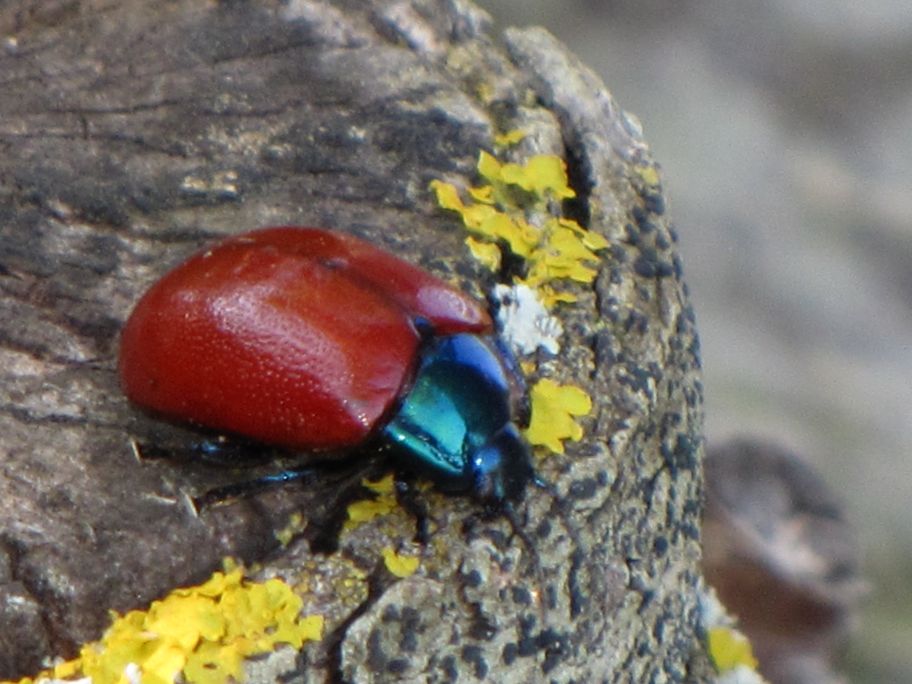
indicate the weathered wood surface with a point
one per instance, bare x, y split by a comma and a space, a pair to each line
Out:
133, 133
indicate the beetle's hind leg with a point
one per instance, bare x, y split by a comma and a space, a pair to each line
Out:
211, 449
235, 490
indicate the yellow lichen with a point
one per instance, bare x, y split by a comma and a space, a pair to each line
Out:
509, 138
366, 510
295, 526
730, 649
202, 633
484, 252
649, 174
515, 206
553, 409
400, 565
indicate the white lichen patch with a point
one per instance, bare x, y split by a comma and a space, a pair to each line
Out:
524, 321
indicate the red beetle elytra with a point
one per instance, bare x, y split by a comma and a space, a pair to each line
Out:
297, 337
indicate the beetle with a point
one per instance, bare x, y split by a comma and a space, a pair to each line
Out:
316, 340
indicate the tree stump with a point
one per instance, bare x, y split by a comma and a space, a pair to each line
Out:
134, 133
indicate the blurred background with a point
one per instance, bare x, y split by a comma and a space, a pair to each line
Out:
785, 132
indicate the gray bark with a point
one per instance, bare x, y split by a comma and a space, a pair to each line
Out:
134, 133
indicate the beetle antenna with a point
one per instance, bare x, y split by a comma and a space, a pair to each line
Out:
509, 512
572, 527
569, 524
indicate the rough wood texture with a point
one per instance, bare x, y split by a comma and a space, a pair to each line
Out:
133, 133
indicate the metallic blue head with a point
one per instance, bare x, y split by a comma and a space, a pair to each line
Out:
501, 469
455, 424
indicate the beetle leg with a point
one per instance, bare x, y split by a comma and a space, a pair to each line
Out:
222, 450
217, 450
411, 500
235, 490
